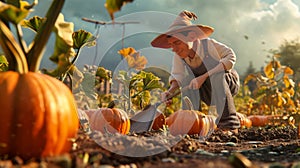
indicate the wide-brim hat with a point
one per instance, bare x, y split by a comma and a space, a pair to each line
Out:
182, 23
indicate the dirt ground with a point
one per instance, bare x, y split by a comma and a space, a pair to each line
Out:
253, 147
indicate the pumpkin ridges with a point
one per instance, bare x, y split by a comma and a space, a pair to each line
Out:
107, 117
194, 118
183, 122
203, 124
66, 113
8, 82
159, 121
117, 119
121, 115
26, 113
112, 120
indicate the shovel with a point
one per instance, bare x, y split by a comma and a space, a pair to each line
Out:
143, 121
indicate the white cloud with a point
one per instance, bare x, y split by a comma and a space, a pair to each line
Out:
270, 25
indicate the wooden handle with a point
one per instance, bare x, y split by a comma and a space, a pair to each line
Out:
177, 92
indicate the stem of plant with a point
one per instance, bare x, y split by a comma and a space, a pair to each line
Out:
20, 38
42, 36
12, 49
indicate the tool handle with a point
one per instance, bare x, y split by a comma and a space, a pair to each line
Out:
177, 92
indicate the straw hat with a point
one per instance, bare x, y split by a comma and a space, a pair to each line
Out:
182, 23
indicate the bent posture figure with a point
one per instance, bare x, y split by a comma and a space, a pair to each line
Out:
204, 65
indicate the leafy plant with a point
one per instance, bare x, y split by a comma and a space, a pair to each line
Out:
274, 88
137, 83
3, 63
92, 91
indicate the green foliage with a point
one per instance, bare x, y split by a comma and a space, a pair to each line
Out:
3, 63
67, 44
33, 23
140, 86
15, 12
274, 89
90, 93
83, 38
67, 49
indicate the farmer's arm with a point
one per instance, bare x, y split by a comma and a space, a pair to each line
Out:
177, 75
221, 52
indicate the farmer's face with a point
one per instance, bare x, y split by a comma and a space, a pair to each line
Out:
179, 45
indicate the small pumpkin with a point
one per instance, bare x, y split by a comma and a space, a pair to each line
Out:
184, 122
190, 122
111, 120
38, 115
260, 120
244, 120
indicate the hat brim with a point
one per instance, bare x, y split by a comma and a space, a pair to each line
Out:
161, 41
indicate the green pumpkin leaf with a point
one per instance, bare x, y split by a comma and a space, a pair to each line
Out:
3, 63
33, 23
12, 49
103, 73
3, 60
83, 38
113, 6
14, 14
146, 96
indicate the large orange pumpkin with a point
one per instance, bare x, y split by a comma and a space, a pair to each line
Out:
38, 115
111, 120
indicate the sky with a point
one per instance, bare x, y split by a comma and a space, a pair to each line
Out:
251, 28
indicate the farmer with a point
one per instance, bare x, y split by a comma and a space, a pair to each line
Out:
204, 65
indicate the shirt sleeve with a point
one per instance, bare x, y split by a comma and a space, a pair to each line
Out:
224, 53
178, 70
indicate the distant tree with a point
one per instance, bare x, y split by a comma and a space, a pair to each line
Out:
289, 55
250, 69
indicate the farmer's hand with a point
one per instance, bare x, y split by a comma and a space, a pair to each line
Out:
165, 98
196, 83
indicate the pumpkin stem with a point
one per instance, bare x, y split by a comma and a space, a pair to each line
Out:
188, 102
112, 104
12, 49
35, 53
